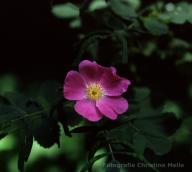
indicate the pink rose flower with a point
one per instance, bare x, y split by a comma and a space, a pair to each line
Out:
97, 91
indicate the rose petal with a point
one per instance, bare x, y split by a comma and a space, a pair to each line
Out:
114, 70
111, 107
114, 85
88, 110
90, 71
74, 86
107, 69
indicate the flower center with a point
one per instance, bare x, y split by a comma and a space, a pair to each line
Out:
94, 91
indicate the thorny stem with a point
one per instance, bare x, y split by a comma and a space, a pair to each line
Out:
109, 145
130, 117
111, 151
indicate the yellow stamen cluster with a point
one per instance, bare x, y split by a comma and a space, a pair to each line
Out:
94, 91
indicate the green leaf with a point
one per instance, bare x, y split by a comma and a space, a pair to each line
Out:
177, 14
76, 23
149, 130
8, 83
151, 136
139, 141
97, 4
30, 114
8, 113
67, 115
67, 10
8, 118
178, 17
25, 146
155, 26
24, 105
187, 58
89, 165
19, 111
122, 9
123, 133
180, 43
95, 148
46, 132
12, 112
142, 98
146, 129
141, 94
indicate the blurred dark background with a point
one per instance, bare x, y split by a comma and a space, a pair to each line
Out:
33, 42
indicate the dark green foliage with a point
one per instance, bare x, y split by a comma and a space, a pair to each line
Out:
148, 42
155, 26
67, 114
148, 127
46, 132
26, 115
178, 13
89, 165
16, 113
122, 9
139, 129
8, 116
25, 146
149, 136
